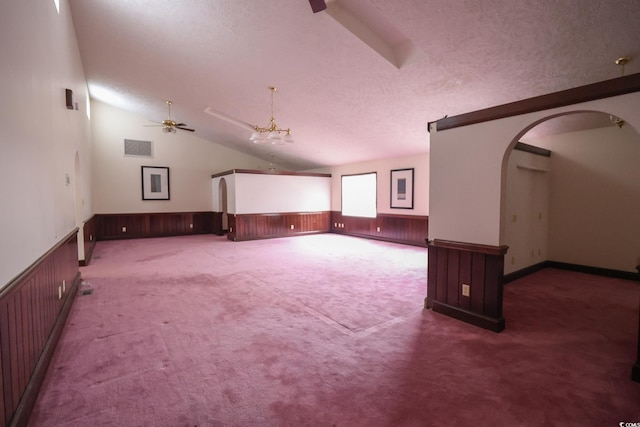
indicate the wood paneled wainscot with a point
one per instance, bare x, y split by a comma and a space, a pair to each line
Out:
33, 310
161, 224
635, 371
90, 238
406, 229
465, 281
267, 226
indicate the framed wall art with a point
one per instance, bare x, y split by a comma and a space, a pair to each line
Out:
155, 183
402, 188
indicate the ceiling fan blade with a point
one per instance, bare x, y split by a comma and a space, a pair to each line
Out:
183, 128
317, 5
229, 119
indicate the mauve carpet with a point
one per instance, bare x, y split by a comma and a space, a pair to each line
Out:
329, 330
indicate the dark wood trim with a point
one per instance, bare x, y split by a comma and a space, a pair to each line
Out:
519, 274
465, 281
471, 247
90, 238
153, 224
29, 398
217, 224
396, 228
521, 146
33, 310
266, 172
591, 92
484, 322
635, 371
20, 278
278, 224
598, 271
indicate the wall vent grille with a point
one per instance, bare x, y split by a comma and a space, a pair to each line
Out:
133, 147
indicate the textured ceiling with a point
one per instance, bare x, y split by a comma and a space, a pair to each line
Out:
343, 100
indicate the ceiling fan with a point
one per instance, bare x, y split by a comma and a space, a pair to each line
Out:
169, 125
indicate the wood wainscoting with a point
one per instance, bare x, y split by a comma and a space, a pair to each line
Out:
267, 226
454, 264
405, 229
33, 310
635, 371
217, 228
90, 238
160, 224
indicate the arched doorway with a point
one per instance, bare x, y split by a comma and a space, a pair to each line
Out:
222, 202
578, 206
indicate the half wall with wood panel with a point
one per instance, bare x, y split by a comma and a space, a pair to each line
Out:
405, 229
266, 226
159, 224
465, 281
90, 239
33, 310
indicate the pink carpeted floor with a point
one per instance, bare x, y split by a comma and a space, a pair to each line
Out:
329, 330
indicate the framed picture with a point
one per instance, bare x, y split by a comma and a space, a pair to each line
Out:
155, 183
402, 188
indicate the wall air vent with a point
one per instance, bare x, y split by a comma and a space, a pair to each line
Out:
133, 147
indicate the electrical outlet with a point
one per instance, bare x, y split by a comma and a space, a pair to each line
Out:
190, 225
292, 227
59, 292
378, 229
64, 285
90, 237
466, 290
124, 229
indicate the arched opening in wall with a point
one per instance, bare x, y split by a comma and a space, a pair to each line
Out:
577, 210
79, 206
222, 194
570, 193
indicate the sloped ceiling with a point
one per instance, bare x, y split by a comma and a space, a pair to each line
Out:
344, 100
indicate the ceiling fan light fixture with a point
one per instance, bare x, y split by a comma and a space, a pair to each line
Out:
271, 134
170, 126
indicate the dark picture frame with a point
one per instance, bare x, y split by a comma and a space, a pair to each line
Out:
402, 188
155, 183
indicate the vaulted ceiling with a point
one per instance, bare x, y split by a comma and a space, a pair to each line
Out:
356, 82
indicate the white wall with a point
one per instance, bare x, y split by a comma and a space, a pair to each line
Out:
527, 211
468, 165
191, 161
263, 193
383, 168
40, 136
595, 197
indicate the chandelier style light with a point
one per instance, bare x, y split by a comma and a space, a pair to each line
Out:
272, 134
622, 61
